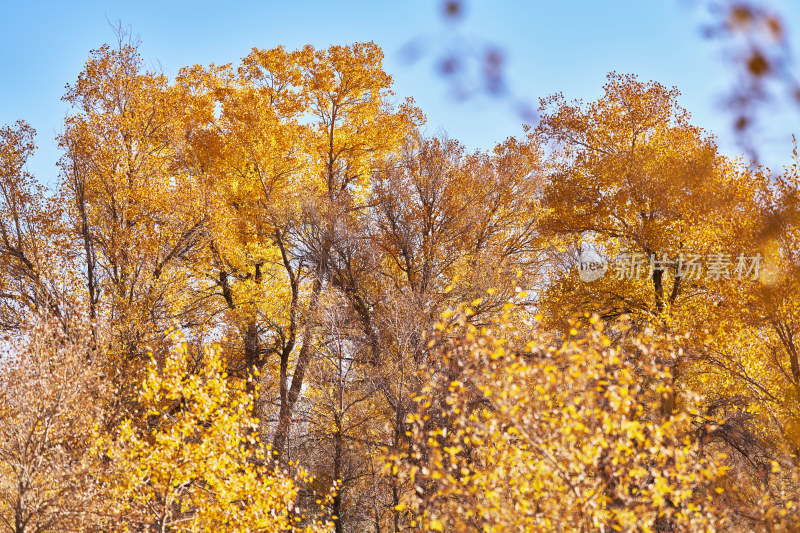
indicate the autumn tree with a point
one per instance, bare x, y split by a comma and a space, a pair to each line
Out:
514, 433
129, 209
35, 269
52, 395
632, 178
435, 235
194, 467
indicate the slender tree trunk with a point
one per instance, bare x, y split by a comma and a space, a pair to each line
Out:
290, 394
337, 475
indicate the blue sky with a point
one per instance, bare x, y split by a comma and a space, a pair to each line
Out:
566, 46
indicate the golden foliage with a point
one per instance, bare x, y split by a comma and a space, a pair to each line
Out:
531, 437
194, 465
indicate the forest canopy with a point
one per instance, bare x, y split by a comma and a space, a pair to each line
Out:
261, 298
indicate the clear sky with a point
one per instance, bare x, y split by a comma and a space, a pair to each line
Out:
550, 46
